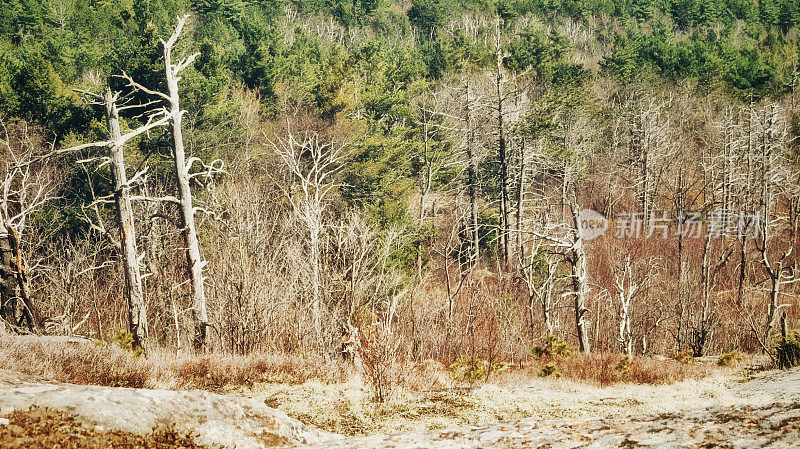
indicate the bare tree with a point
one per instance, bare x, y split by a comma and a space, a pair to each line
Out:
122, 198
313, 163
631, 279
646, 136
472, 170
470, 106
539, 272
24, 189
183, 171
575, 255
502, 151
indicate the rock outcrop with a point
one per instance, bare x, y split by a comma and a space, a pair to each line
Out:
763, 412
213, 419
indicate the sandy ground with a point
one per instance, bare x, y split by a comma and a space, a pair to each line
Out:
346, 408
763, 412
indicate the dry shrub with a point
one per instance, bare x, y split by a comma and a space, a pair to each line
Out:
730, 358
83, 362
378, 351
72, 360
787, 350
656, 371
428, 375
214, 371
606, 369
685, 356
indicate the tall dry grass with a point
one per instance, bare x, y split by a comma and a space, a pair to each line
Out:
85, 362
602, 368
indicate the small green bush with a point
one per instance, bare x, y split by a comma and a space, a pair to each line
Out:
624, 366
787, 351
124, 340
553, 347
729, 358
550, 369
469, 369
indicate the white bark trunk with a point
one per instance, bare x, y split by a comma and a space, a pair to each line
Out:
198, 312
134, 294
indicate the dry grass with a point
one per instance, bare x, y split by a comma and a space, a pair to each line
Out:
74, 361
604, 369
334, 397
515, 394
83, 362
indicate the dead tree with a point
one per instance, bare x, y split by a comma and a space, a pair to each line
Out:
469, 106
502, 151
627, 289
631, 280
771, 172
313, 163
187, 210
576, 257
561, 125
435, 153
122, 199
703, 323
472, 170
648, 149
24, 189
184, 175
538, 272
434, 157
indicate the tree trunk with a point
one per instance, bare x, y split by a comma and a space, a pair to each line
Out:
579, 284
520, 200
134, 295
8, 285
501, 149
199, 314
15, 284
472, 182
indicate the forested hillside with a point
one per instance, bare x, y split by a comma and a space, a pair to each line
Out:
404, 180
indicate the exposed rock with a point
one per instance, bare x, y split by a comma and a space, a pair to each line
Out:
213, 419
768, 415
765, 413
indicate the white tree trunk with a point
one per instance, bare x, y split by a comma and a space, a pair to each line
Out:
198, 312
134, 295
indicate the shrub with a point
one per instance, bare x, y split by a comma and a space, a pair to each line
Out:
470, 369
624, 366
378, 352
685, 356
729, 358
787, 351
97, 363
553, 347
605, 369
124, 340
548, 370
